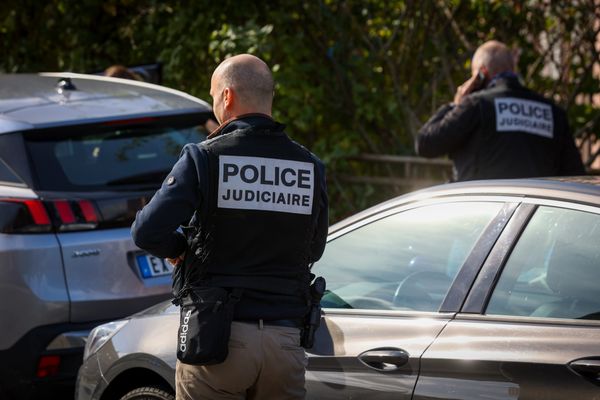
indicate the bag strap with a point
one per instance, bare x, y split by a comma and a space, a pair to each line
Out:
178, 298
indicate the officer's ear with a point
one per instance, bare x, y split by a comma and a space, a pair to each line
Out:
228, 97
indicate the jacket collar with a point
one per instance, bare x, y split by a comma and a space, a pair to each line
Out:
255, 120
509, 79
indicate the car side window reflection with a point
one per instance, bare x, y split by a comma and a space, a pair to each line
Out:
406, 261
554, 269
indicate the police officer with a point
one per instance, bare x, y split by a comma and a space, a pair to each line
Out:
496, 128
261, 202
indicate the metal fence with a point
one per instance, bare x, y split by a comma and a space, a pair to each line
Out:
398, 173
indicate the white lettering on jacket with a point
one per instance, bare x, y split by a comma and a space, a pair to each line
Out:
183, 332
266, 184
528, 116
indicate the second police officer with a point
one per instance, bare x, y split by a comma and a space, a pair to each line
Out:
497, 128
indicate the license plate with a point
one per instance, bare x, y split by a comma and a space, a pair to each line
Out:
151, 266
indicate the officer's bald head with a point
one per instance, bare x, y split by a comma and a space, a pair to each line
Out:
251, 81
495, 57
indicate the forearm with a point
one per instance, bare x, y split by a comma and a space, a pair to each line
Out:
425, 144
448, 129
156, 226
157, 242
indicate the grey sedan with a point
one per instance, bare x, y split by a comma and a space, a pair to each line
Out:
480, 290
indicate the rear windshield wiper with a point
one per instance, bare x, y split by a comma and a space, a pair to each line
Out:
155, 177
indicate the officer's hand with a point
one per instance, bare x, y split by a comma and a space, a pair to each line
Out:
176, 261
469, 86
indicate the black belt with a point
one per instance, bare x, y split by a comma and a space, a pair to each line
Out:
289, 323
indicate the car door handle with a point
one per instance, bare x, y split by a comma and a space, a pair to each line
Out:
384, 359
588, 368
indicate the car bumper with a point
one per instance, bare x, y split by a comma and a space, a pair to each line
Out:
20, 376
90, 381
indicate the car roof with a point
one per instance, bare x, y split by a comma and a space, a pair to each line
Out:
577, 189
33, 101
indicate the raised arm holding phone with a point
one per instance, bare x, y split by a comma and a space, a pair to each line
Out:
497, 128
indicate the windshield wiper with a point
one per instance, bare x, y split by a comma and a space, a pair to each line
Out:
155, 177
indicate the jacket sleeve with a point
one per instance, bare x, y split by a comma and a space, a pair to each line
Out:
155, 228
570, 159
448, 129
320, 236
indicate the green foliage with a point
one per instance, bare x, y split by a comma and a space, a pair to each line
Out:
351, 76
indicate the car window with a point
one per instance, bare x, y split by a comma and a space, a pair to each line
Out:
7, 175
405, 261
110, 158
554, 269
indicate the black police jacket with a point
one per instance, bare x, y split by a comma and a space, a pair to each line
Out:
260, 201
503, 131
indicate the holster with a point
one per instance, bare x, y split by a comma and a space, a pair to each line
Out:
313, 318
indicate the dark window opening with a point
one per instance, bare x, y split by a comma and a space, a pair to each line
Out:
108, 158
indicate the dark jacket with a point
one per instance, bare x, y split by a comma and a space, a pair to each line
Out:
503, 131
251, 237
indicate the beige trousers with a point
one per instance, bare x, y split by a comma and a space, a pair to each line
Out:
263, 363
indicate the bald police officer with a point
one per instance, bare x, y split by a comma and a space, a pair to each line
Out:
496, 128
261, 202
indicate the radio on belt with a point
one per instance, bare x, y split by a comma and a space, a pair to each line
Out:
266, 184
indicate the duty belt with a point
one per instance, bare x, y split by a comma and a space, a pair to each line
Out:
290, 323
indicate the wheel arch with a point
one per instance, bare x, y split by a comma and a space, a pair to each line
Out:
134, 378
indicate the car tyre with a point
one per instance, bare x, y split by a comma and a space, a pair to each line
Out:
148, 393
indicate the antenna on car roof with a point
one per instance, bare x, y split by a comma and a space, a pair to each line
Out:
64, 84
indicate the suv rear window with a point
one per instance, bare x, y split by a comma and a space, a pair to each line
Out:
108, 158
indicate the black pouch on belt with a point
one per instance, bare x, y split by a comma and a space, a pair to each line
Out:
205, 324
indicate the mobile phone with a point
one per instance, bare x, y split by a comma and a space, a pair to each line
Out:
480, 81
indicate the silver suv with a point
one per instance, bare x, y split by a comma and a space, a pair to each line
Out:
79, 155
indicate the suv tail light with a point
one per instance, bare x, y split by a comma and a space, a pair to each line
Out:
88, 211
29, 215
74, 215
65, 212
23, 216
